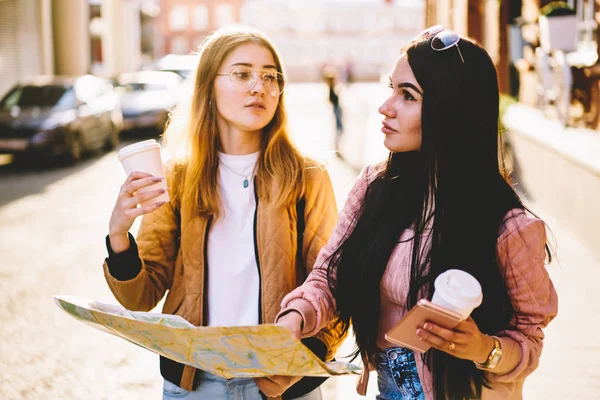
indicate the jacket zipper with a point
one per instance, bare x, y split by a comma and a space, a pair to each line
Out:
257, 256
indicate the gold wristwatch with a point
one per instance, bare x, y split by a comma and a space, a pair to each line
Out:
493, 358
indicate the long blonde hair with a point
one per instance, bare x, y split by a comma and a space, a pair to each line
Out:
192, 135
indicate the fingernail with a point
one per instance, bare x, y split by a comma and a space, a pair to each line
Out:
160, 204
161, 190
427, 326
157, 179
419, 332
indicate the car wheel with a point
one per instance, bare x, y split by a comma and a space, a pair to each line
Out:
112, 141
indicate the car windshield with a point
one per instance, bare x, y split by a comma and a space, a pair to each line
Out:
38, 96
139, 87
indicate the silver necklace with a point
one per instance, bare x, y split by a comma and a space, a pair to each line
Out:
246, 177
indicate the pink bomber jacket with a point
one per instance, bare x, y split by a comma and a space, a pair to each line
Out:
521, 249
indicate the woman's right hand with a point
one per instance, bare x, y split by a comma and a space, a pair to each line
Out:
293, 321
126, 209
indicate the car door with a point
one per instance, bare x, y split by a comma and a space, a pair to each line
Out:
91, 111
87, 124
107, 103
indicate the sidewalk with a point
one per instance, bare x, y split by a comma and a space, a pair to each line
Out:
570, 366
559, 167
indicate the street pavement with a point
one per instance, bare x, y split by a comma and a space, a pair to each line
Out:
52, 229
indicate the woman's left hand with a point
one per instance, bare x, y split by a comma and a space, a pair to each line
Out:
273, 386
464, 341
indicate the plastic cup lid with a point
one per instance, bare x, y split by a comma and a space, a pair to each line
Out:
137, 147
464, 287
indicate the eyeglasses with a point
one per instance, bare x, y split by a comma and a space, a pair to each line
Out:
244, 79
442, 39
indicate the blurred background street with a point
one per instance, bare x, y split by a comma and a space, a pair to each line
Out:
80, 79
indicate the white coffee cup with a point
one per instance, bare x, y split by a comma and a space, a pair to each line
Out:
144, 156
458, 291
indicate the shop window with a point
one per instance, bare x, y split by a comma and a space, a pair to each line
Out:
178, 18
224, 15
200, 18
587, 25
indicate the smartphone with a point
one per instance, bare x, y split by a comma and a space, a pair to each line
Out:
404, 333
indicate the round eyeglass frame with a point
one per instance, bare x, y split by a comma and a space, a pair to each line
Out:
255, 73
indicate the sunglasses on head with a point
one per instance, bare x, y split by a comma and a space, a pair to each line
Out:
442, 39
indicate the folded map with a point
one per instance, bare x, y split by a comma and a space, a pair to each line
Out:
229, 352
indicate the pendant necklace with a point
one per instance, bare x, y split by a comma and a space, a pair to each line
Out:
246, 177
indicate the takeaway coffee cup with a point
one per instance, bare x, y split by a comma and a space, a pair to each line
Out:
457, 291
145, 156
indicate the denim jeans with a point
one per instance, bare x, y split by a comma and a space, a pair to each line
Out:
397, 376
213, 387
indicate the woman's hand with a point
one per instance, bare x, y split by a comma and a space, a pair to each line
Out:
464, 341
126, 209
273, 386
293, 321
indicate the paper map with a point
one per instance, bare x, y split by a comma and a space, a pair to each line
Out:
229, 352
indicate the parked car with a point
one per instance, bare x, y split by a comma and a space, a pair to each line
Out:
57, 116
146, 98
181, 64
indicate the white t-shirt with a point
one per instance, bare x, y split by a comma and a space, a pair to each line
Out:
233, 277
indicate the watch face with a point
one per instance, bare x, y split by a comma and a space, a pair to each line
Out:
495, 358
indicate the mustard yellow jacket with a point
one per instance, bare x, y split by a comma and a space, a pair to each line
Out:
172, 247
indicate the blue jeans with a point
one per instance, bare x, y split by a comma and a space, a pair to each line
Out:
213, 387
397, 376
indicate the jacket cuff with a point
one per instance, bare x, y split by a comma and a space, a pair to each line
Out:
306, 310
126, 265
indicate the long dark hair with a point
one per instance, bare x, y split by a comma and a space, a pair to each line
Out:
454, 184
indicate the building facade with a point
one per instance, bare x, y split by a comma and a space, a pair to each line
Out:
362, 35
43, 37
24, 24
184, 23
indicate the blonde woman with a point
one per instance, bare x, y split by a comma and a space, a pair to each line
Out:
226, 246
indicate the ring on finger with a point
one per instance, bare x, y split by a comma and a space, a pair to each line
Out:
451, 346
